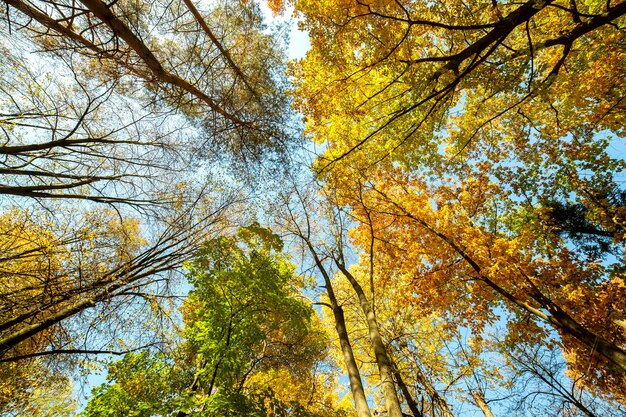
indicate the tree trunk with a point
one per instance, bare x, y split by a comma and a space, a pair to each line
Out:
415, 410
482, 404
436, 399
382, 359
356, 384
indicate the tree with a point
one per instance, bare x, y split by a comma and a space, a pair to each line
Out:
455, 125
384, 77
59, 130
431, 354
389, 348
296, 219
195, 69
598, 231
72, 139
66, 272
539, 371
251, 346
453, 256
116, 119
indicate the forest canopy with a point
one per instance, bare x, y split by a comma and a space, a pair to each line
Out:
423, 216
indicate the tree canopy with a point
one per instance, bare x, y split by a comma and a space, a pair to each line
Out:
423, 216
250, 346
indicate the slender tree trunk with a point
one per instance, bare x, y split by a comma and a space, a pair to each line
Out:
382, 359
560, 320
482, 404
356, 384
436, 399
415, 410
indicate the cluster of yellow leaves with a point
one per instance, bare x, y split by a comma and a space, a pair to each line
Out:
315, 391
51, 397
48, 265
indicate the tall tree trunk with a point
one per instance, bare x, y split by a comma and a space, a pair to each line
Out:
382, 359
415, 410
356, 384
436, 399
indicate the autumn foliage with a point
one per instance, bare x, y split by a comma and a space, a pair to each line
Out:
454, 246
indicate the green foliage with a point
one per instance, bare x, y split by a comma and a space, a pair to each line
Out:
243, 318
257, 404
141, 384
596, 227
